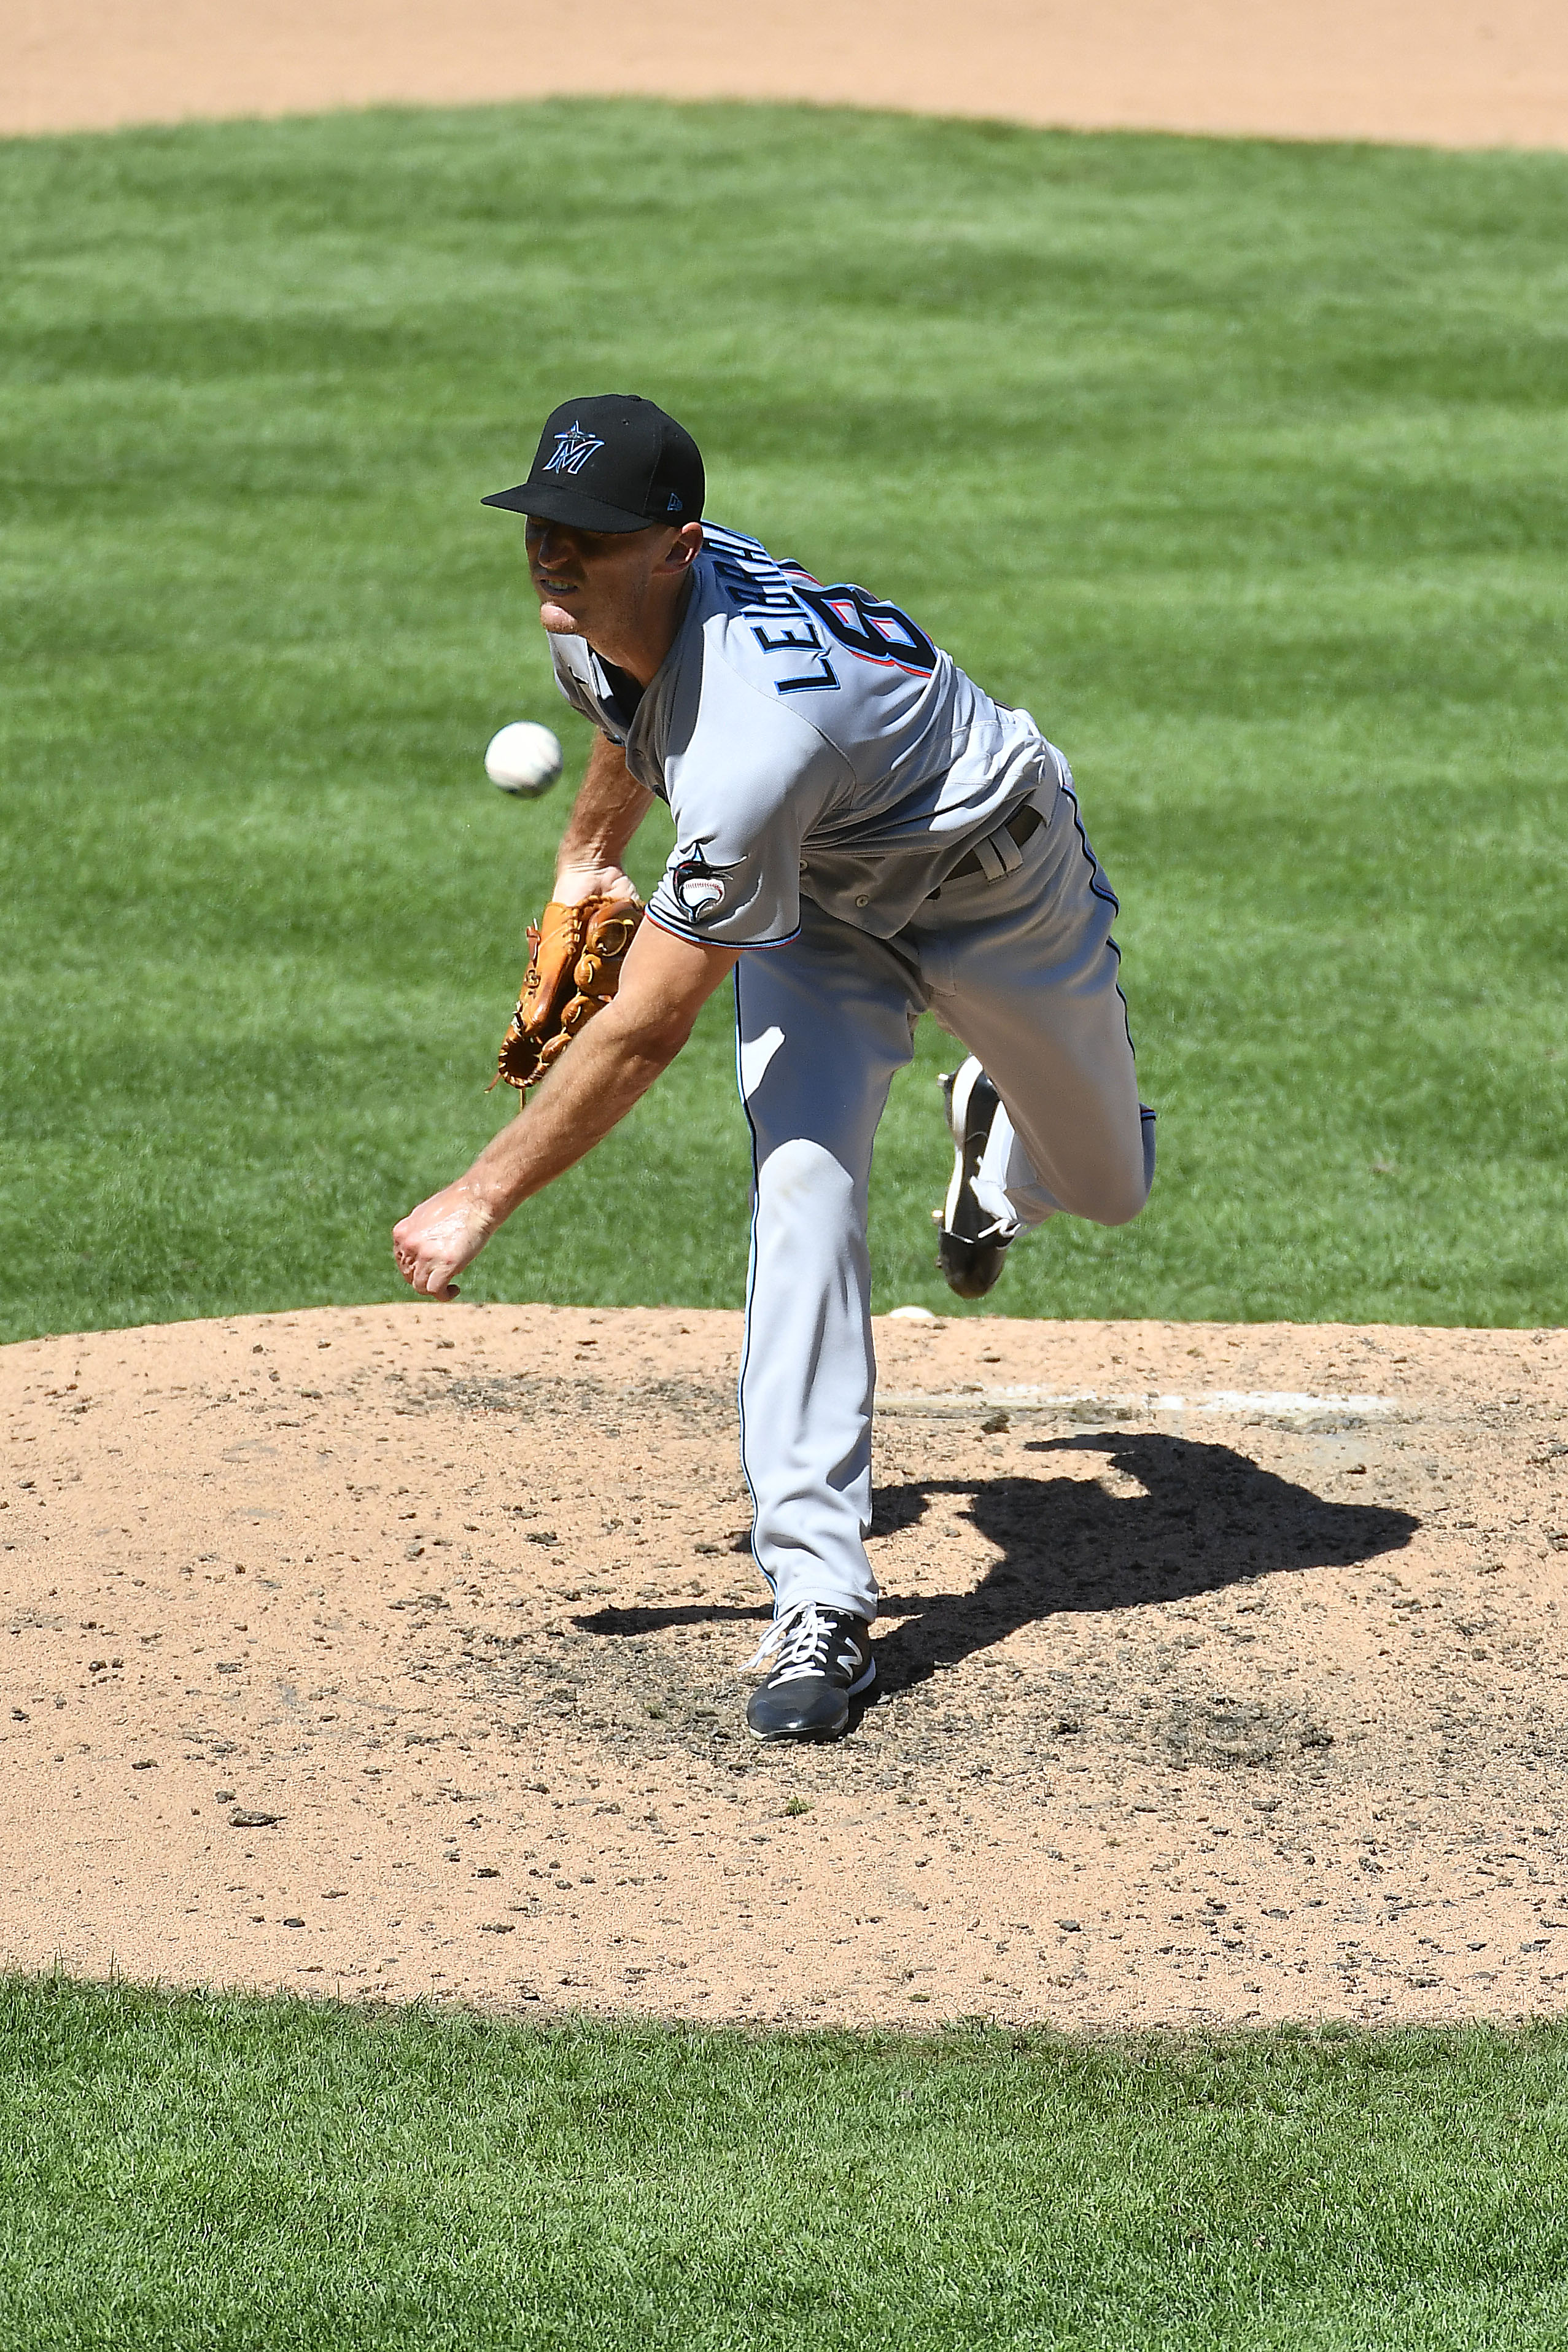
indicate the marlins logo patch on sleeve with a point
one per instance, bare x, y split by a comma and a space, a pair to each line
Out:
699, 889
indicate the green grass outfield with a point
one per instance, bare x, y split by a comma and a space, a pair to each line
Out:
1240, 463
180, 2175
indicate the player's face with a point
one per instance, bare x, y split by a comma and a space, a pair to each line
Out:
598, 584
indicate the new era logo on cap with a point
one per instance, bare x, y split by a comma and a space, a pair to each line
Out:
610, 462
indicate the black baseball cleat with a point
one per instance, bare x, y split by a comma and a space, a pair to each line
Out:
824, 1661
971, 1247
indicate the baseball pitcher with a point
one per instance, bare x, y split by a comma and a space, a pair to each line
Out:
862, 834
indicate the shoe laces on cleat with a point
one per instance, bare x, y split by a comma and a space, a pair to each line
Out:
998, 1231
803, 1642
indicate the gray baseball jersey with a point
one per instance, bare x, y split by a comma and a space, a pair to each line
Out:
808, 739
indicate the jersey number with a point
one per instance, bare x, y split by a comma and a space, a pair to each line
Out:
876, 632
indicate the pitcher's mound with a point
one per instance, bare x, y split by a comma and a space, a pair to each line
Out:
397, 1651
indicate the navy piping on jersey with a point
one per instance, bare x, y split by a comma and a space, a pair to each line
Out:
750, 1287
703, 939
1110, 898
1107, 893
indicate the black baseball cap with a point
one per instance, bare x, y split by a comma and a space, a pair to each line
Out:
612, 462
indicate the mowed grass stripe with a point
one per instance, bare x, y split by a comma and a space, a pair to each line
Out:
1238, 463
184, 2172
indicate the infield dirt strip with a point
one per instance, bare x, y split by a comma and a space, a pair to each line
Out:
396, 1650
1466, 73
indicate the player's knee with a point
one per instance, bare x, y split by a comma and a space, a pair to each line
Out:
1118, 1194
1120, 1209
802, 1180
1129, 1194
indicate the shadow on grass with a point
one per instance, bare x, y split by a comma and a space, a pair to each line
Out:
1205, 1517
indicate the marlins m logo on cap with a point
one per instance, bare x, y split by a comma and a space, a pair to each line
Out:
610, 461
573, 450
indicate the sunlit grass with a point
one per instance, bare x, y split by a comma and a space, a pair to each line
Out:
1240, 465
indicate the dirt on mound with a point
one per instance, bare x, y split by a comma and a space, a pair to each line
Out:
397, 1652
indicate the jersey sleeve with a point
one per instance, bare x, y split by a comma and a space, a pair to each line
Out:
745, 789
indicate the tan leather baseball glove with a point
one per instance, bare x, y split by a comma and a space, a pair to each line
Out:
575, 958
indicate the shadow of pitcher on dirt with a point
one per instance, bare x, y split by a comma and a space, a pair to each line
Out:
1206, 1517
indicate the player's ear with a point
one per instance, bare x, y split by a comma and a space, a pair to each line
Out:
686, 543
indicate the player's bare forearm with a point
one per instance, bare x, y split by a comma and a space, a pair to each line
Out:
609, 807
608, 1066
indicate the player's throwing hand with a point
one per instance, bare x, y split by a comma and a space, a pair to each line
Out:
439, 1238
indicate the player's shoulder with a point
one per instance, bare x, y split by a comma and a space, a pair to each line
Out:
748, 572
748, 586
730, 728
758, 624
753, 623
806, 642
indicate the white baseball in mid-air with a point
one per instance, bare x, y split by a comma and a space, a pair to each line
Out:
524, 759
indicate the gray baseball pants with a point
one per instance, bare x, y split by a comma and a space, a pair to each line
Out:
1022, 972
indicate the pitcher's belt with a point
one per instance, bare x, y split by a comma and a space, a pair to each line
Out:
1018, 827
